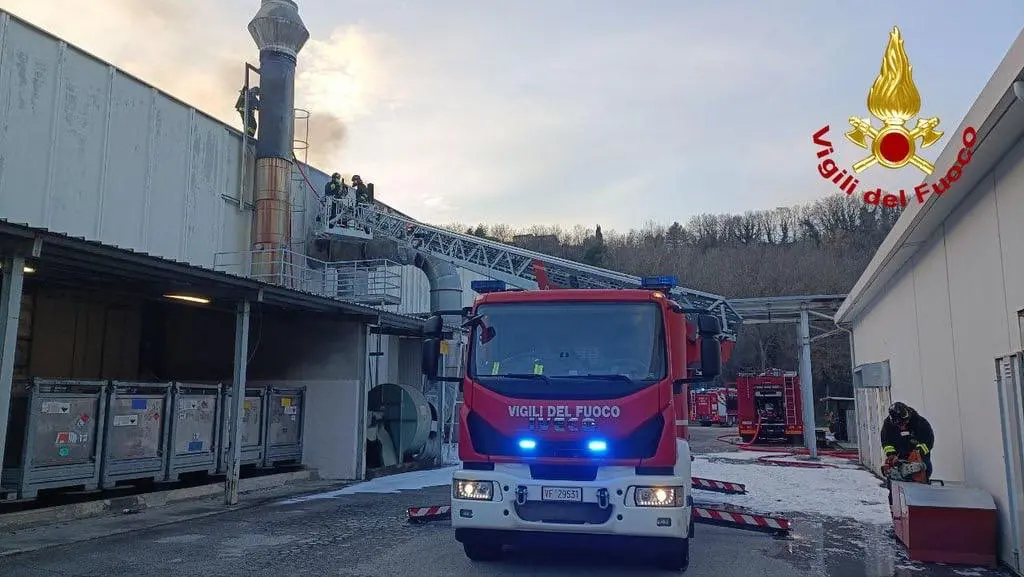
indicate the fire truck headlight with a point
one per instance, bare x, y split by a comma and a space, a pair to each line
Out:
472, 490
527, 444
597, 446
659, 496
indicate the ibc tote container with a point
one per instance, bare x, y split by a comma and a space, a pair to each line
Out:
253, 427
55, 436
195, 434
284, 425
135, 441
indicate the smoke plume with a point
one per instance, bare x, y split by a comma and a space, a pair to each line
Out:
326, 139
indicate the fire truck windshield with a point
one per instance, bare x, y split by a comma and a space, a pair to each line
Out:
613, 345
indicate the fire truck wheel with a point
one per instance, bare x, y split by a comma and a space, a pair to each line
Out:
746, 438
675, 559
482, 550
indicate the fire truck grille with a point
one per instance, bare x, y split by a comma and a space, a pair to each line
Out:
563, 472
642, 443
566, 513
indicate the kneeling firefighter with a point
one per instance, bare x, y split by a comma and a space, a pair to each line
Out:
907, 437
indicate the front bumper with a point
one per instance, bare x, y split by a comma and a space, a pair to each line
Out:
620, 516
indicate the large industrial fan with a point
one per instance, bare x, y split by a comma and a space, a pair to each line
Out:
401, 426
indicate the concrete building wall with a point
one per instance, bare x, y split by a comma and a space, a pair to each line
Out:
943, 320
91, 151
327, 357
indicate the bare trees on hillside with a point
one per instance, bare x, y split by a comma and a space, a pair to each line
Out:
819, 248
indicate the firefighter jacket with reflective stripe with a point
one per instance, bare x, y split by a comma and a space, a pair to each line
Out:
901, 440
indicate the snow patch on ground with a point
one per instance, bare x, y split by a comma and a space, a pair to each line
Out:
844, 491
832, 492
778, 457
389, 484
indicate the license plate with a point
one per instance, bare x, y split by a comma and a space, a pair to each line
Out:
561, 494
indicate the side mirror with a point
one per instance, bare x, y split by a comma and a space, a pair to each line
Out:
709, 327
434, 326
431, 358
487, 335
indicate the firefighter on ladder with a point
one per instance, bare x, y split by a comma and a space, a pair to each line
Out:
907, 437
248, 114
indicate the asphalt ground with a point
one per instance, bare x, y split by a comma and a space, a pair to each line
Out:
367, 535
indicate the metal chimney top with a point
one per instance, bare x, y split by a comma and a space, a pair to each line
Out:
277, 26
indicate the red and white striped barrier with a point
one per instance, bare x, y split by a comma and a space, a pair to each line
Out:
434, 513
718, 486
740, 520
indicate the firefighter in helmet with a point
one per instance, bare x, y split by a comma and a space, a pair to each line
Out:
904, 433
333, 191
248, 114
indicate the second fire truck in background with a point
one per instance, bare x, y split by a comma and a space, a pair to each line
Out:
769, 407
715, 407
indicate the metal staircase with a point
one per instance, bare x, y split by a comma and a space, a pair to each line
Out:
515, 266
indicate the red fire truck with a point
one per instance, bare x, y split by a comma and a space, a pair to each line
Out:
704, 405
769, 407
715, 407
574, 418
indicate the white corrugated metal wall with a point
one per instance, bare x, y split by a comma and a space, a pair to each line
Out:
89, 150
946, 317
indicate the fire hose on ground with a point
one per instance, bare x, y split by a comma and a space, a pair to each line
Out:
774, 455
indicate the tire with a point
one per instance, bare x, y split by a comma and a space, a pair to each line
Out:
676, 559
482, 550
746, 438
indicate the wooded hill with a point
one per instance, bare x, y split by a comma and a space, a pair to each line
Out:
818, 248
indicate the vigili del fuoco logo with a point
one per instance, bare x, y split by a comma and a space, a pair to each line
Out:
893, 100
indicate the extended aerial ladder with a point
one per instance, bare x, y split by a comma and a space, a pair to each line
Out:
515, 266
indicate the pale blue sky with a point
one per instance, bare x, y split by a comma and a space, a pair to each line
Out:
584, 111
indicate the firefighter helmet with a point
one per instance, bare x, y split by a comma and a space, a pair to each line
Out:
899, 412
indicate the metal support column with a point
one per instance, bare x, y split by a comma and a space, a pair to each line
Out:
10, 314
807, 384
238, 402
440, 423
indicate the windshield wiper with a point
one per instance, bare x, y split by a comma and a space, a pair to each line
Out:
533, 376
610, 377
601, 377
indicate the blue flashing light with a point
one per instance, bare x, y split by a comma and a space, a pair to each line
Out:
487, 286
527, 444
597, 446
659, 282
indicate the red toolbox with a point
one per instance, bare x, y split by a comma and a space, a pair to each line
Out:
945, 524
